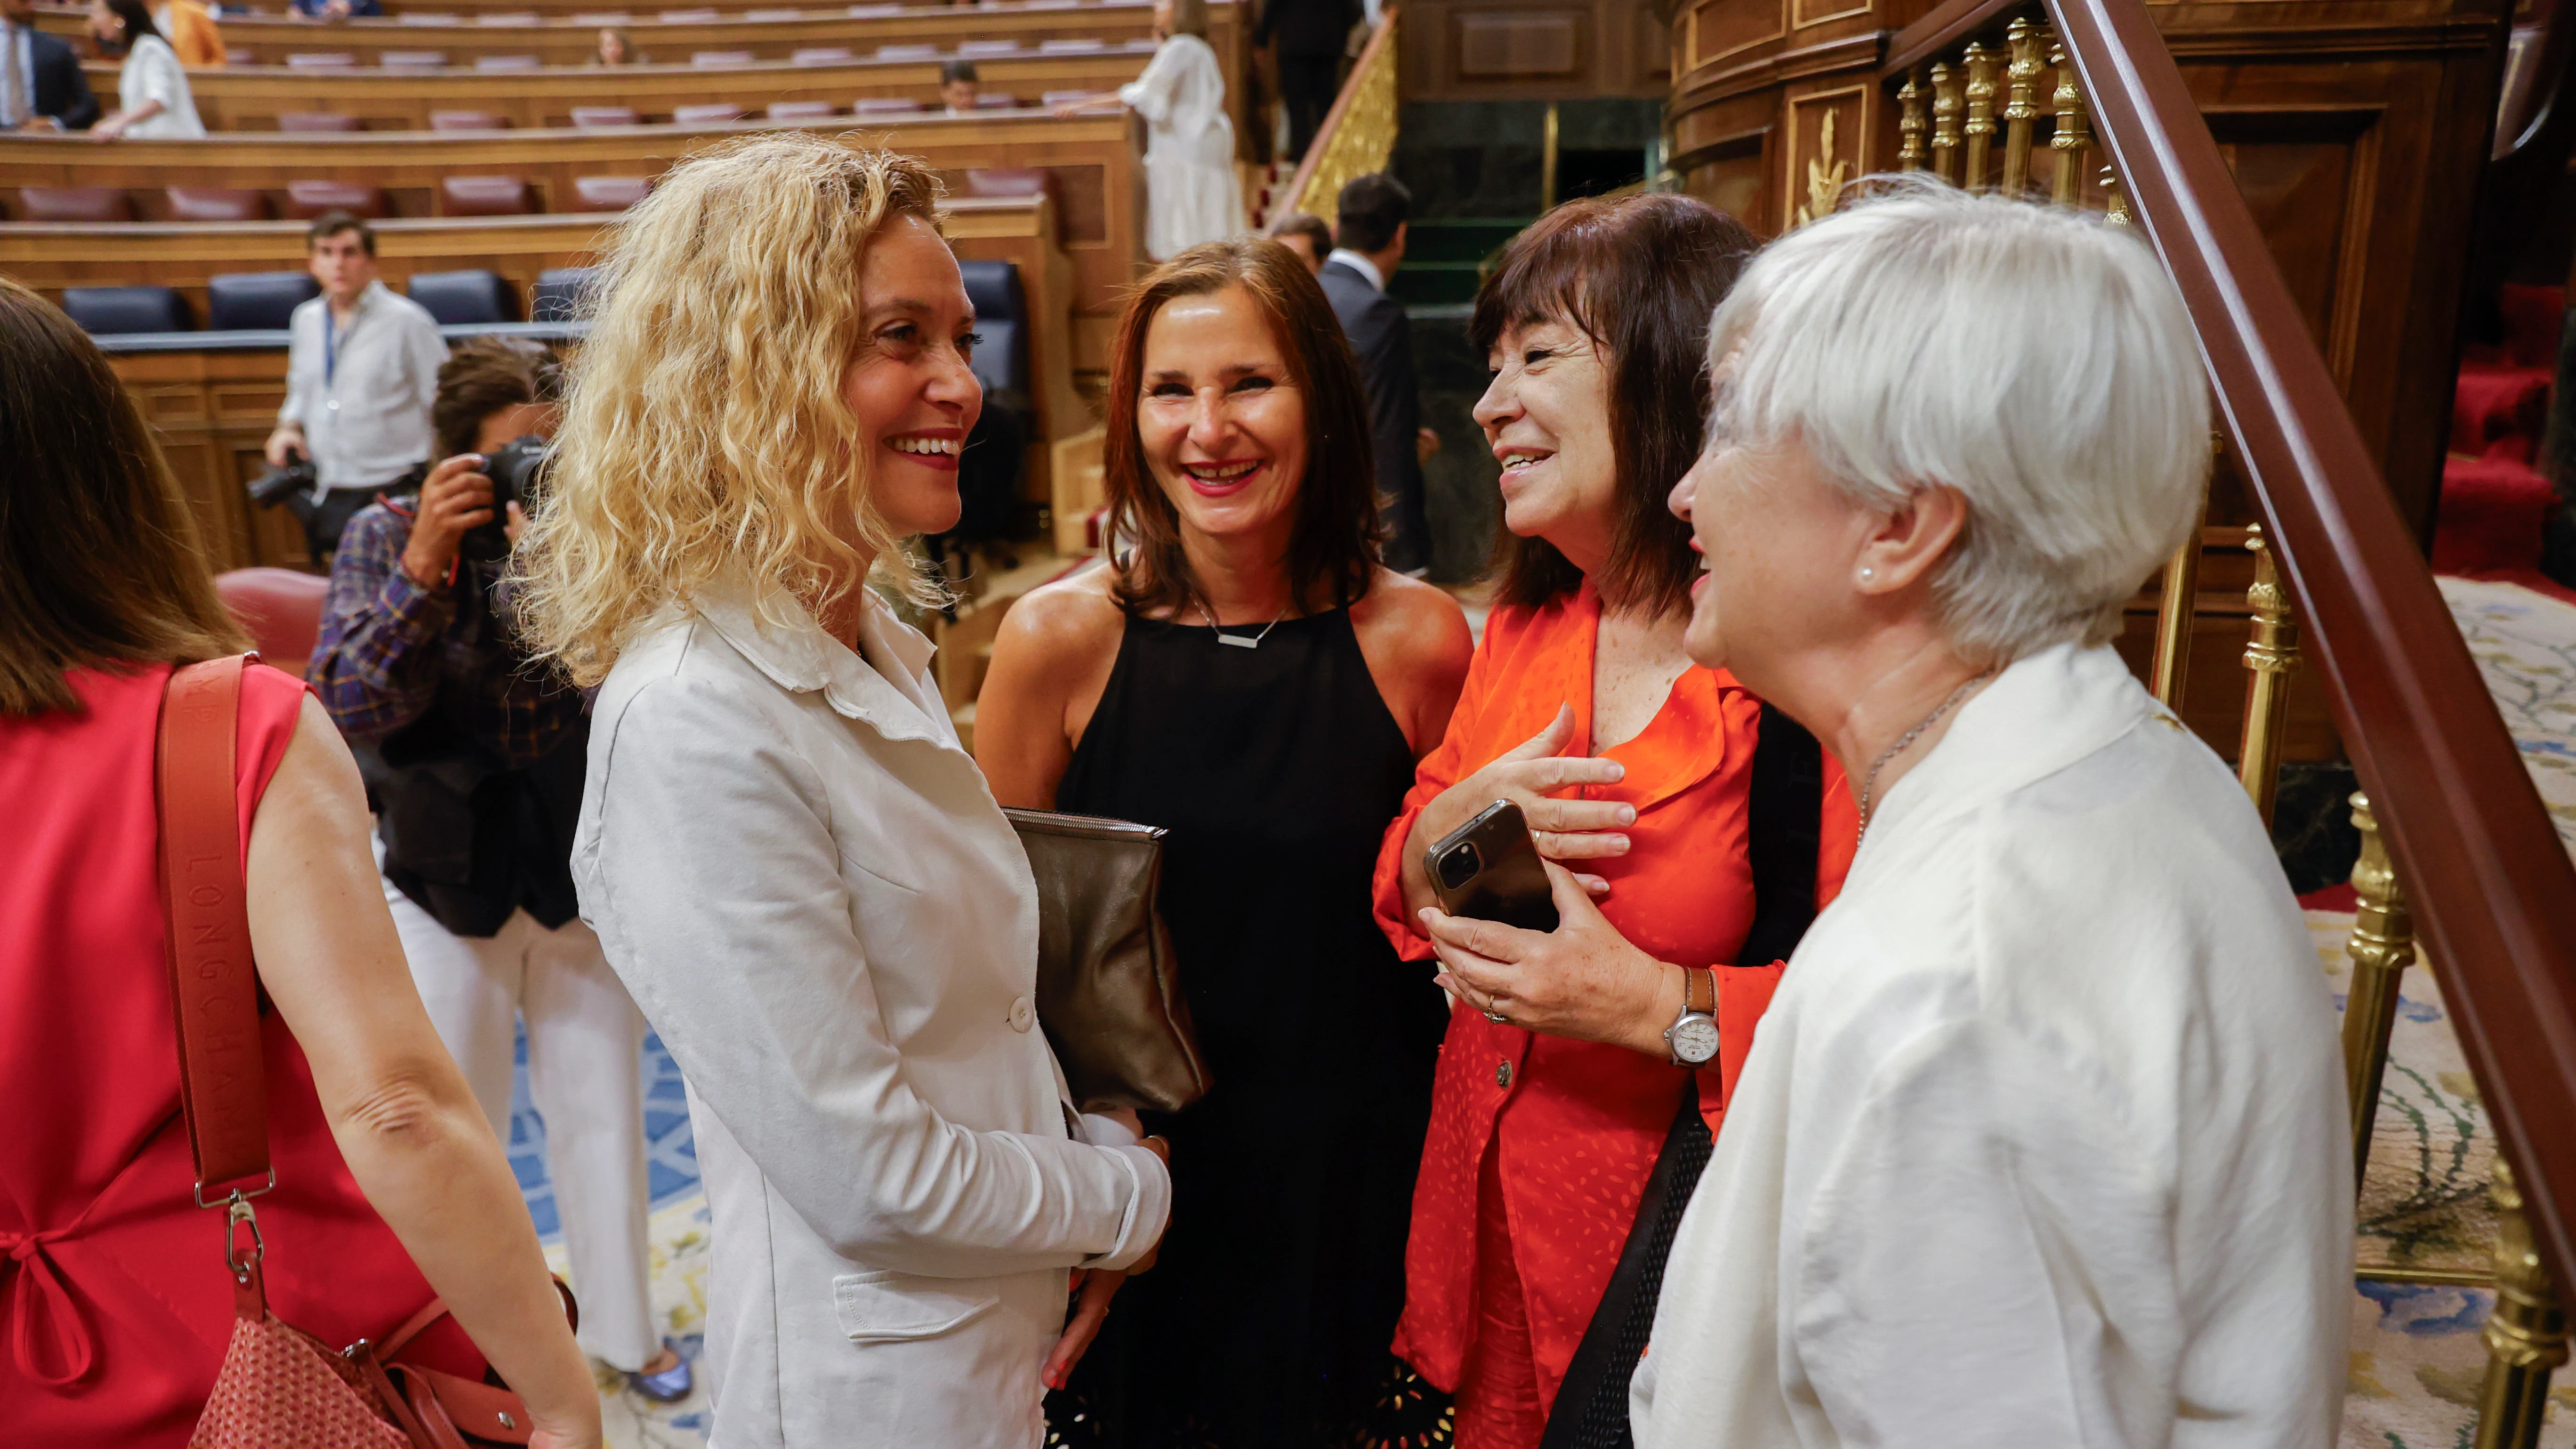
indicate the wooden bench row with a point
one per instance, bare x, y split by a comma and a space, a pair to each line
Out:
252, 99
1095, 172
571, 42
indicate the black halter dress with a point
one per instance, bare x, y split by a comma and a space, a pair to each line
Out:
1276, 769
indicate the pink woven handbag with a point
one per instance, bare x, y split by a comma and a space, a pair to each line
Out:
280, 1387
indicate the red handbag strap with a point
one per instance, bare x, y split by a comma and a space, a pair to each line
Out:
223, 1079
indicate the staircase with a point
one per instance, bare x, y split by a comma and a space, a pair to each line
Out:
1445, 257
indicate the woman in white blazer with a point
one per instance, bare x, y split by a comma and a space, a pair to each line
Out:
792, 864
153, 102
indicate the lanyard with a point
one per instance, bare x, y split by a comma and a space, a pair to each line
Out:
332, 332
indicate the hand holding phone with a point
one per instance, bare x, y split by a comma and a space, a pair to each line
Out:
1489, 869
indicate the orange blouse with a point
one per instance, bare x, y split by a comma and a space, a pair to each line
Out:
1578, 1124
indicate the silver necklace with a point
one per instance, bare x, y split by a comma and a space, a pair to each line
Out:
1237, 640
1869, 785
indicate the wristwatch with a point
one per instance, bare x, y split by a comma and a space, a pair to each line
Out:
1693, 1034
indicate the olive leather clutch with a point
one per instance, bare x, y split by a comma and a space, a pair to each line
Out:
1109, 992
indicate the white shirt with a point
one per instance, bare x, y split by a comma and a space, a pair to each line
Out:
1191, 193
808, 888
152, 73
18, 86
2043, 1140
1358, 263
365, 414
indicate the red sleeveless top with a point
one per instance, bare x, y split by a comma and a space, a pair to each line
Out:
114, 1303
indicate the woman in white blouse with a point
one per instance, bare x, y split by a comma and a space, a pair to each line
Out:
1191, 192
790, 861
2043, 1140
153, 102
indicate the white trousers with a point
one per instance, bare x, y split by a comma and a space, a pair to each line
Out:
584, 1041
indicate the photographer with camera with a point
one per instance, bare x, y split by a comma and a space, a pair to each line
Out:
476, 758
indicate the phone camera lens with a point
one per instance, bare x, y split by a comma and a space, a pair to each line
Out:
1459, 865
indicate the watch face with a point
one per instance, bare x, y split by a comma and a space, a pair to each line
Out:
1694, 1039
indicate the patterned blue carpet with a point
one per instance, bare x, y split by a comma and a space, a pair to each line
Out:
670, 1158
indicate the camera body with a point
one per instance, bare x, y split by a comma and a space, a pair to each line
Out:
277, 485
517, 470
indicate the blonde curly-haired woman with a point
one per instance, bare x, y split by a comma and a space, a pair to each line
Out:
796, 870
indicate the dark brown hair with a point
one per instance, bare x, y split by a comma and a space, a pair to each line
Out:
483, 376
331, 223
1639, 275
1333, 548
1317, 231
100, 562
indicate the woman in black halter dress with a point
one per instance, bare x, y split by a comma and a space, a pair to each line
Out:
1248, 679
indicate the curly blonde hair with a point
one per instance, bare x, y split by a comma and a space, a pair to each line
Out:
705, 437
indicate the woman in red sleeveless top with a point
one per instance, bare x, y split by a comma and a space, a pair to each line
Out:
115, 1307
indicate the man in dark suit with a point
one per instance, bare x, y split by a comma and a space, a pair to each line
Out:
1310, 36
41, 85
1374, 214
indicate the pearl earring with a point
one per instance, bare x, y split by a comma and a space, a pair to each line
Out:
1868, 574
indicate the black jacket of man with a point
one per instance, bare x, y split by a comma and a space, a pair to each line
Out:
1382, 340
1307, 27
62, 91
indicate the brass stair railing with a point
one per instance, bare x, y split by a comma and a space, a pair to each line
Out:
1357, 136
2447, 809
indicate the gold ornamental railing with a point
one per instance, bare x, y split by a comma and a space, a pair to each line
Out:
2454, 837
1358, 133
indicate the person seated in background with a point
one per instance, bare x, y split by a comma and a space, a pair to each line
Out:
477, 761
334, 10
191, 30
615, 48
957, 84
2043, 1140
1306, 234
388, 1190
152, 98
361, 372
42, 87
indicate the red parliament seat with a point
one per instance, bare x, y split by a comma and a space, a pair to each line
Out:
322, 60
825, 55
799, 112
468, 121
595, 117
705, 58
484, 196
281, 609
306, 200
216, 203
508, 63
412, 59
74, 203
710, 114
316, 121
885, 106
610, 193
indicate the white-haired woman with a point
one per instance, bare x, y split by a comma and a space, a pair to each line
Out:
792, 864
2042, 1140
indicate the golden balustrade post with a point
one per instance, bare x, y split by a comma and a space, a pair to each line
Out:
2073, 134
1981, 114
2381, 946
2117, 212
2272, 656
2021, 108
2526, 1334
1911, 122
2175, 607
1945, 122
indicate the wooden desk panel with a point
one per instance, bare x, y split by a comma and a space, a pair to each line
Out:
1098, 174
250, 98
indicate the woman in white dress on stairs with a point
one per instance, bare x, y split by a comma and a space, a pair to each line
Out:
1191, 193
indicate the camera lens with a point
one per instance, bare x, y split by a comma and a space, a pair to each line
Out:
1459, 864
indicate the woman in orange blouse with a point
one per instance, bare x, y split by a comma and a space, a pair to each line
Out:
1556, 1087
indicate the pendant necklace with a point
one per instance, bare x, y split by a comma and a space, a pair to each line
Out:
1869, 784
1237, 640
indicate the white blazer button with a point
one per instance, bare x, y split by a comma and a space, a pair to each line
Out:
1024, 1014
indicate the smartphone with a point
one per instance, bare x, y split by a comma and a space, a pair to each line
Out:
1489, 869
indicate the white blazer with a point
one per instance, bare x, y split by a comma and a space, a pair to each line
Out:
807, 886
2043, 1141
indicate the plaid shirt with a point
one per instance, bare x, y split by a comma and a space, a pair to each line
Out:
391, 651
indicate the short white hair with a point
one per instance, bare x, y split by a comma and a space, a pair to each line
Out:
2033, 358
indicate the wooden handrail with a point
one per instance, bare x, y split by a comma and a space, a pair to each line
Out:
2494, 892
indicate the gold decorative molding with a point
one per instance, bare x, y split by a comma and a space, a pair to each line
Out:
1824, 185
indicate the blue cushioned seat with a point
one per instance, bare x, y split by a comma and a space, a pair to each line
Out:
561, 293
458, 298
256, 301
1001, 315
104, 310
